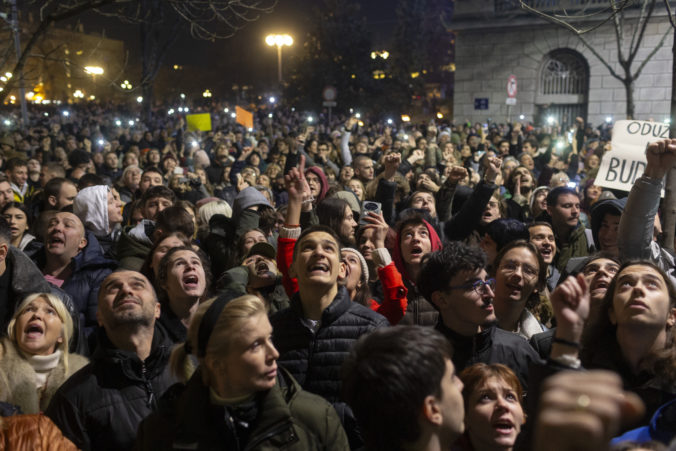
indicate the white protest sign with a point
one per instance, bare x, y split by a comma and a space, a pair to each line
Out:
625, 162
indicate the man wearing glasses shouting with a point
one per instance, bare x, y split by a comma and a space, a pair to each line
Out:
456, 283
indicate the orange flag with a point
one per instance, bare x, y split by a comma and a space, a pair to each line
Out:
244, 117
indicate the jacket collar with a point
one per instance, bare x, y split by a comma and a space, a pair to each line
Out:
340, 304
195, 411
128, 362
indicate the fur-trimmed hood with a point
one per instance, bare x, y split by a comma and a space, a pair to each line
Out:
18, 380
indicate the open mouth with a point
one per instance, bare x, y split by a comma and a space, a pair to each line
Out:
191, 281
318, 268
416, 251
34, 330
262, 268
546, 251
503, 426
600, 284
54, 239
515, 289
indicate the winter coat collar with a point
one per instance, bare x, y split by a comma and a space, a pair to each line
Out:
340, 304
194, 420
128, 362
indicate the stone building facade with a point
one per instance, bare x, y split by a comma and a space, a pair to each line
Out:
556, 74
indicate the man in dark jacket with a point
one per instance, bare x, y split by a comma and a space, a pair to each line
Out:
455, 282
605, 224
315, 335
73, 260
101, 406
563, 205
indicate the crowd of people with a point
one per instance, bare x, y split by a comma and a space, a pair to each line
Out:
344, 284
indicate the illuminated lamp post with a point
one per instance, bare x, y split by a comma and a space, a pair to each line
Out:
279, 40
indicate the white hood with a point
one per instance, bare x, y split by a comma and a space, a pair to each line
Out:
91, 206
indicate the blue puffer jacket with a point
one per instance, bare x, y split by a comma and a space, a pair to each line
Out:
89, 268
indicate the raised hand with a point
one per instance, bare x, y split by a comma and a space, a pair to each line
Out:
456, 174
376, 221
295, 183
661, 156
391, 162
583, 410
570, 301
493, 170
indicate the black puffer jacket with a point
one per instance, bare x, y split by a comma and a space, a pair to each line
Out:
492, 345
286, 417
101, 406
314, 359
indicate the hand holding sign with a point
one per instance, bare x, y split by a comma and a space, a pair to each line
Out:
661, 157
621, 167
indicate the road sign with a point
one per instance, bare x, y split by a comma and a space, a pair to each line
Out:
510, 101
481, 103
329, 103
329, 94
511, 86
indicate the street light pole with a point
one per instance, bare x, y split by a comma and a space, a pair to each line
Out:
279, 41
279, 64
17, 45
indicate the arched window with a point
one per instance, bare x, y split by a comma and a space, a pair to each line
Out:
563, 86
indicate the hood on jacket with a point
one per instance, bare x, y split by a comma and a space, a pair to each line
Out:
323, 181
91, 206
599, 210
435, 242
246, 198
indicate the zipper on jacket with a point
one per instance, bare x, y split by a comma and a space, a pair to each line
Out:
149, 387
280, 427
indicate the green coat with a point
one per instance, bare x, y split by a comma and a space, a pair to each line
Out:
288, 418
577, 246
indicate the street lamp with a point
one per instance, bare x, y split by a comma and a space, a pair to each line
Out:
94, 70
279, 40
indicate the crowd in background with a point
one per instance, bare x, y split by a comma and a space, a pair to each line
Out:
161, 275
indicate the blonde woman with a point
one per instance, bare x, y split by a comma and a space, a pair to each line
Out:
34, 356
237, 379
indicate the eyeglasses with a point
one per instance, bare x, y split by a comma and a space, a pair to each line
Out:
510, 267
479, 286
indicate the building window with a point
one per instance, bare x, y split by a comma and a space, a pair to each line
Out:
564, 72
563, 87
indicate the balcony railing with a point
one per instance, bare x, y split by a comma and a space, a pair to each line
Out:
570, 6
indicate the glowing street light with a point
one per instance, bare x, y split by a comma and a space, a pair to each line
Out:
139, 99
125, 85
94, 70
206, 93
279, 40
78, 94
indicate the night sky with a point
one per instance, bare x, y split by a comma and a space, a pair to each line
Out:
245, 57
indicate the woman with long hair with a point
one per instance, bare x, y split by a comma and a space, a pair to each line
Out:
493, 411
17, 216
237, 397
183, 280
35, 359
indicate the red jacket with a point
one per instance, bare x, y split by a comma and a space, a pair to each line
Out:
394, 302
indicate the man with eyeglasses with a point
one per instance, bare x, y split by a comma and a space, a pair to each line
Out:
598, 271
456, 283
